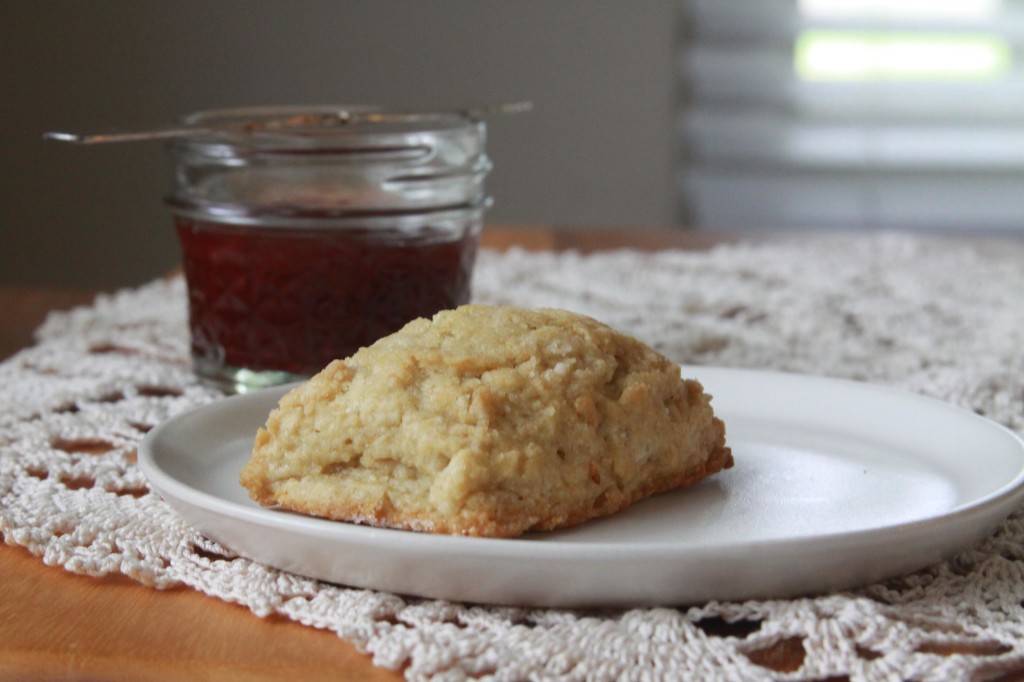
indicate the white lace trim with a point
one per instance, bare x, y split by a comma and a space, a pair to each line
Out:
924, 314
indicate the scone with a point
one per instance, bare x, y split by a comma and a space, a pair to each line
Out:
487, 421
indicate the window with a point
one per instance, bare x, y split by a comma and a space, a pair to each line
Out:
854, 114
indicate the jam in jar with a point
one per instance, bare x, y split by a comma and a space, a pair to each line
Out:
303, 243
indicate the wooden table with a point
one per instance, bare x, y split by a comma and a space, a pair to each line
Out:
56, 625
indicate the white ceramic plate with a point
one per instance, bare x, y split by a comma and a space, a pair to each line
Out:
836, 484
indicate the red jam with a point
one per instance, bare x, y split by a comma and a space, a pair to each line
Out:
292, 300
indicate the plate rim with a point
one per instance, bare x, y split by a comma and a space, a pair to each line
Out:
990, 508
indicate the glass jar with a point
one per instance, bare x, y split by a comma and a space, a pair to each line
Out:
308, 232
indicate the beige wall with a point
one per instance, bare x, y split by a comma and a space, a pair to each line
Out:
597, 151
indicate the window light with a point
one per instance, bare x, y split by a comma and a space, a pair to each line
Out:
826, 55
927, 10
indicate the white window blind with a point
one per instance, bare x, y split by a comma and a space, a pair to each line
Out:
853, 114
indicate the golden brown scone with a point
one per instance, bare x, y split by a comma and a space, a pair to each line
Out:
488, 421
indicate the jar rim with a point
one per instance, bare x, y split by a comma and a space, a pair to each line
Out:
326, 128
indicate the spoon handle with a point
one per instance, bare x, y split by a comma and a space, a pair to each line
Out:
340, 117
98, 137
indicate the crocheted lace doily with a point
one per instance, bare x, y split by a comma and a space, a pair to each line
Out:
924, 314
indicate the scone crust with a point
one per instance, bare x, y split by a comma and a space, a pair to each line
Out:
488, 421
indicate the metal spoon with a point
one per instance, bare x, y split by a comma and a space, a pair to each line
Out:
273, 119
